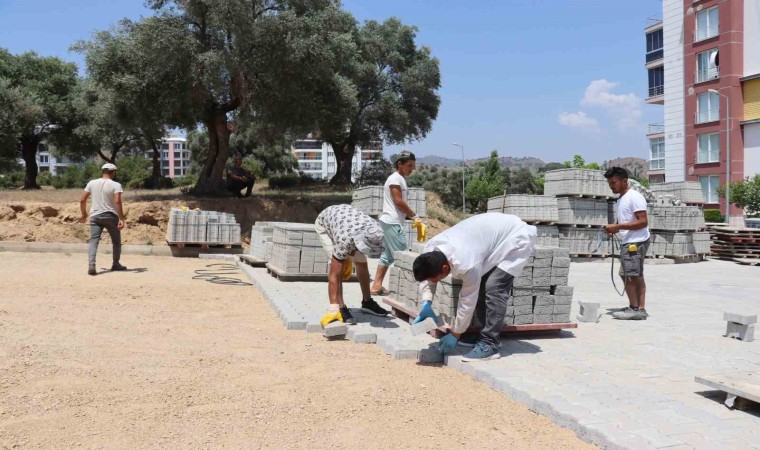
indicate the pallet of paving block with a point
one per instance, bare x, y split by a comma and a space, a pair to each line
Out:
742, 388
203, 244
281, 275
682, 259
253, 261
745, 261
403, 312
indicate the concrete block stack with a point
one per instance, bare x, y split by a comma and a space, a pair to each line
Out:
580, 182
584, 241
530, 208
297, 250
582, 211
540, 295
261, 240
547, 235
368, 199
416, 200
674, 218
202, 227
689, 192
679, 244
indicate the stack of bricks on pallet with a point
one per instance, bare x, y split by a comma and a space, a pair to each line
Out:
530, 208
370, 200
297, 250
674, 218
547, 235
576, 182
679, 244
261, 240
540, 294
203, 227
584, 241
582, 211
686, 191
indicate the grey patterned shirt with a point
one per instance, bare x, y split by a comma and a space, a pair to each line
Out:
351, 229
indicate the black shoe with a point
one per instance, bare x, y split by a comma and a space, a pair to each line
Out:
116, 267
92, 271
347, 317
371, 307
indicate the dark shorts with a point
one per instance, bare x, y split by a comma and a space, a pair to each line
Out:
632, 263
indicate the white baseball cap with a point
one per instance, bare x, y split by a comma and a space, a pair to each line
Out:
108, 166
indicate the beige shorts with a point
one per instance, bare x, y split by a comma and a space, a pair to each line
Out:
327, 244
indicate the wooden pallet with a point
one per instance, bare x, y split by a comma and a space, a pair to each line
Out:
742, 388
201, 245
406, 313
745, 261
282, 276
253, 261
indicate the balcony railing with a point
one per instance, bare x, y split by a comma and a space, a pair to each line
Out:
656, 128
656, 91
700, 34
706, 74
706, 116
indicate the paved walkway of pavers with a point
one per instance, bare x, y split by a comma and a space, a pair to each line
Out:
617, 384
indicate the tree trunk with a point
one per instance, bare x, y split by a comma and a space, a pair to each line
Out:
210, 181
344, 155
156, 174
29, 153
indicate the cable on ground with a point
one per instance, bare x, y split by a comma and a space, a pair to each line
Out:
215, 273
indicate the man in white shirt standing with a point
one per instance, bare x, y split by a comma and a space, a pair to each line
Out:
395, 211
486, 252
633, 229
106, 212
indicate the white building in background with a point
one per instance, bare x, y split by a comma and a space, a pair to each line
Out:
47, 162
174, 157
316, 158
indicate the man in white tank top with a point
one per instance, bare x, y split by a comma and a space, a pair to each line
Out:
106, 212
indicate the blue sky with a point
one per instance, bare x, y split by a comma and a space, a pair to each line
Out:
543, 78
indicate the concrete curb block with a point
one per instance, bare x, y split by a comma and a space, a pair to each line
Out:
69, 247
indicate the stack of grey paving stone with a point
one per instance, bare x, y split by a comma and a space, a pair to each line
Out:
674, 218
582, 211
580, 182
261, 240
416, 200
202, 227
540, 295
676, 232
530, 208
547, 235
370, 200
297, 250
689, 192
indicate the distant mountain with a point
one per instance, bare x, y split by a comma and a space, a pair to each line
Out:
506, 161
637, 167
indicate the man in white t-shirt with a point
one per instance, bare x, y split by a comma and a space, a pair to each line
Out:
106, 212
395, 211
632, 228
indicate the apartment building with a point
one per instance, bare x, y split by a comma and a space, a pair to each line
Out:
703, 66
48, 162
174, 157
316, 158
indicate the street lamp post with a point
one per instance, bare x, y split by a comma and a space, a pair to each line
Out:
463, 166
728, 154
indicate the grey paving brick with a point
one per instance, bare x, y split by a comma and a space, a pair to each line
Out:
335, 329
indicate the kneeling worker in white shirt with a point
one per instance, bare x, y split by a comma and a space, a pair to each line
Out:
486, 252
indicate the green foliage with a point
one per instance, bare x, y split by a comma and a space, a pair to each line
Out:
524, 182
12, 179
375, 173
417, 179
489, 180
254, 166
76, 176
185, 180
45, 178
745, 194
290, 180
579, 163
134, 172
714, 215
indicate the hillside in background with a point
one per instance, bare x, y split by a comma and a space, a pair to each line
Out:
506, 161
637, 167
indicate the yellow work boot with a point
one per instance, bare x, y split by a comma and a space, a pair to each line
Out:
331, 317
348, 269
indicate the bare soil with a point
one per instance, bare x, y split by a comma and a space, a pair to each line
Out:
153, 359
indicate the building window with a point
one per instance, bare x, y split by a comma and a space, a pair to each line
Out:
44, 159
707, 66
707, 24
654, 46
164, 155
165, 146
657, 154
656, 81
708, 107
177, 172
307, 145
710, 185
708, 148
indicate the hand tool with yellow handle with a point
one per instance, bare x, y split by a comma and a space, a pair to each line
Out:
632, 248
421, 230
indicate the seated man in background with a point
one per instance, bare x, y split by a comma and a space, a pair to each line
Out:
239, 178
349, 236
486, 252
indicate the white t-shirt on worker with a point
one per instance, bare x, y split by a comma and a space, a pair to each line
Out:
627, 206
391, 215
102, 190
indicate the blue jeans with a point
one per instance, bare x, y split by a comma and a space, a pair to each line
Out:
110, 222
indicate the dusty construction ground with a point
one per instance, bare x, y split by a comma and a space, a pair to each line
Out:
155, 359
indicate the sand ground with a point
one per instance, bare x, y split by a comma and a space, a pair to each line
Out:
154, 359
